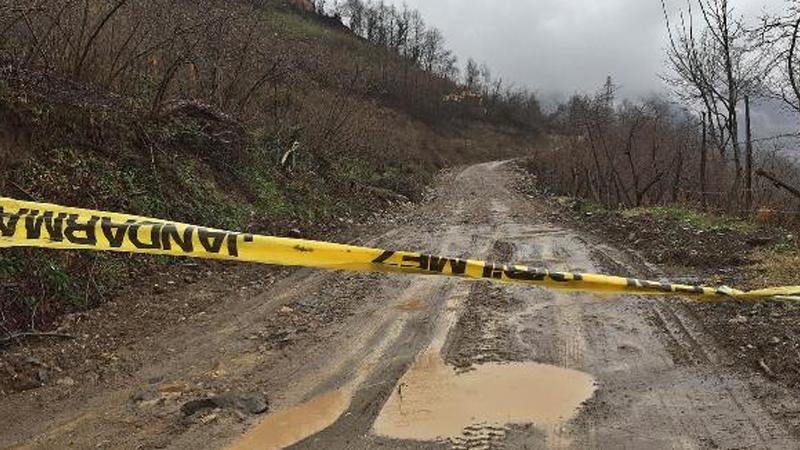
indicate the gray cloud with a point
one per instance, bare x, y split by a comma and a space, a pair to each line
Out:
563, 46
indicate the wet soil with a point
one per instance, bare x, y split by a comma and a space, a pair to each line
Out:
761, 341
336, 354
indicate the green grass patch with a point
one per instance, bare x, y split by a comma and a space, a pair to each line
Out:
204, 202
785, 248
591, 207
693, 218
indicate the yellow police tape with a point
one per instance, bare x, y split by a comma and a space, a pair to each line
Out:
29, 224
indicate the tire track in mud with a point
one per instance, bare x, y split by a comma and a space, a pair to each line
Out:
343, 345
376, 389
481, 335
373, 383
640, 376
691, 353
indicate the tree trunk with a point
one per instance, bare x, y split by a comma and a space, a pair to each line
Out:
676, 183
703, 163
735, 195
749, 157
601, 185
733, 100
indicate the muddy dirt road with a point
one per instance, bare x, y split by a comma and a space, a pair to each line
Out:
357, 361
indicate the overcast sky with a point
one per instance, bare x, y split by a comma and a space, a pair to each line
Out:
563, 46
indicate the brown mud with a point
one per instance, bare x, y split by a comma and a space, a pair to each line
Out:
761, 340
337, 354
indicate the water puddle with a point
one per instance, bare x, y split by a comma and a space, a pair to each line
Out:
433, 402
292, 425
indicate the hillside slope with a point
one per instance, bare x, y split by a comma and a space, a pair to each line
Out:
241, 115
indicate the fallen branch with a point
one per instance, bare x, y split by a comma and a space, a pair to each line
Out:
22, 190
778, 183
31, 334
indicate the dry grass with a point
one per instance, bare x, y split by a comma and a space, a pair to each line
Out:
775, 266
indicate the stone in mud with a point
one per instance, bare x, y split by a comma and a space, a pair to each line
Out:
208, 419
192, 407
34, 360
42, 376
66, 381
739, 319
249, 402
148, 398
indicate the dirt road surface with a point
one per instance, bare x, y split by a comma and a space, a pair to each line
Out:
357, 361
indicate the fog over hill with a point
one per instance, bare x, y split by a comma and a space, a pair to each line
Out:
559, 47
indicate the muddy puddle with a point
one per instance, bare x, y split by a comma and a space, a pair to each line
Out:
292, 425
434, 402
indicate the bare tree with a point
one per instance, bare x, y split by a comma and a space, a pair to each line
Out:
779, 44
416, 36
354, 11
472, 75
713, 69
